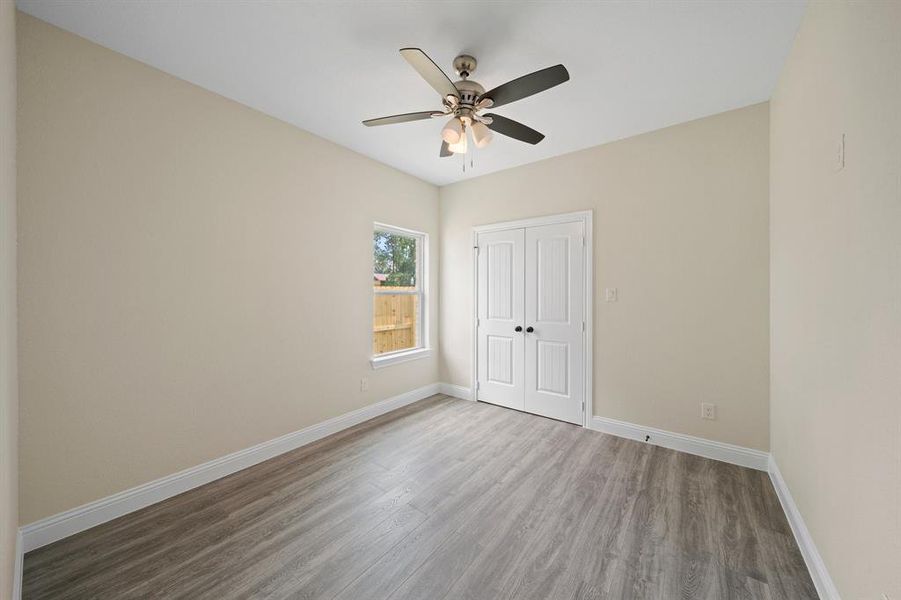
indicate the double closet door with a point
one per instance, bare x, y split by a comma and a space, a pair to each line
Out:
530, 327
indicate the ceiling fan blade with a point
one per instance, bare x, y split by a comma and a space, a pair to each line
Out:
514, 129
527, 85
445, 151
414, 116
429, 71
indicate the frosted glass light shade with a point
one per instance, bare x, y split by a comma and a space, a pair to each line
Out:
459, 147
481, 135
453, 131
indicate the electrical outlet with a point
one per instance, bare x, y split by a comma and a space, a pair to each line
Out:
708, 411
611, 295
364, 384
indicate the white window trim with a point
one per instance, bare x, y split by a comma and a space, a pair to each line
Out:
422, 276
393, 358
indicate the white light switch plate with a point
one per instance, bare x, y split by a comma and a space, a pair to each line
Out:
611, 295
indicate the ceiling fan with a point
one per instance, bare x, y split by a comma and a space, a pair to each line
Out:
466, 101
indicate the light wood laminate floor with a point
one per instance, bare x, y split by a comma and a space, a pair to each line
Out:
447, 499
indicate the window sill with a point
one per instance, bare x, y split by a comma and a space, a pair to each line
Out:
399, 357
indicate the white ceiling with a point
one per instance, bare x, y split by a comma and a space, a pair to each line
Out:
635, 66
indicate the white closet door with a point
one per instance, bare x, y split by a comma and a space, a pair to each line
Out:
554, 310
500, 312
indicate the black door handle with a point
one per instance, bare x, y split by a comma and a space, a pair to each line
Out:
518, 328
530, 329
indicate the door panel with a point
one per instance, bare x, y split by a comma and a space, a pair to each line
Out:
500, 360
554, 309
553, 367
552, 263
499, 292
501, 349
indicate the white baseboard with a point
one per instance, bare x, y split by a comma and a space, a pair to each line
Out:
457, 391
20, 564
57, 527
737, 455
821, 579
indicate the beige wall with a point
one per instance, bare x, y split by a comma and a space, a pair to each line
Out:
195, 277
191, 276
8, 388
680, 228
836, 289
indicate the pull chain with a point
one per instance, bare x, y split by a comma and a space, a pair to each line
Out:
467, 153
471, 158
463, 137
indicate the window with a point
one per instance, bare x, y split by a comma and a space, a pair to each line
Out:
399, 284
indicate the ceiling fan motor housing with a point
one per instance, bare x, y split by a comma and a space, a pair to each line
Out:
469, 90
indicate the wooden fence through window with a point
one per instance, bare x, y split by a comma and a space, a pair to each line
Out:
394, 321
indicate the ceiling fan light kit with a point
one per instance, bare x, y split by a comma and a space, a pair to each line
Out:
453, 131
459, 147
481, 135
465, 102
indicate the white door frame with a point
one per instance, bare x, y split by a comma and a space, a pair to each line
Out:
584, 217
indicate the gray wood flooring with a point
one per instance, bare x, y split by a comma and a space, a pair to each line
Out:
447, 499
